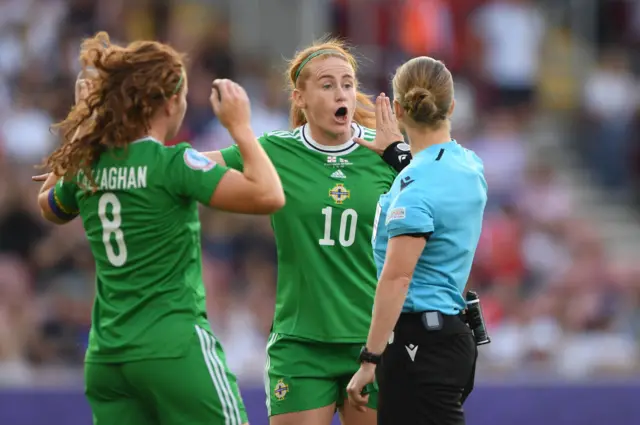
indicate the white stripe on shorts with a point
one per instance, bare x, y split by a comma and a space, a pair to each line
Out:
217, 371
267, 381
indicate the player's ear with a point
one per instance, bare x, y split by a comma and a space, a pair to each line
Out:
398, 110
298, 99
171, 105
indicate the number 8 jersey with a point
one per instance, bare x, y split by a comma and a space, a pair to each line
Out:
144, 232
326, 272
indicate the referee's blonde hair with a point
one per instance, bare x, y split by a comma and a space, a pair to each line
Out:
298, 72
423, 87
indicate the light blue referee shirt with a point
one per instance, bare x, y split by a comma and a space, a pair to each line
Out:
443, 192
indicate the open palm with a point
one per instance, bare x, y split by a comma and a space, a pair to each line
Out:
387, 130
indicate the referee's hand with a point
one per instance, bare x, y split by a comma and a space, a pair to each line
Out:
387, 129
363, 377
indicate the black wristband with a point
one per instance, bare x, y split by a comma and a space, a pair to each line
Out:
368, 357
397, 155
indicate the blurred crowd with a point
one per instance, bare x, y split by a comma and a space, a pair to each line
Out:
555, 303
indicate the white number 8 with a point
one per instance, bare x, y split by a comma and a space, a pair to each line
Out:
111, 226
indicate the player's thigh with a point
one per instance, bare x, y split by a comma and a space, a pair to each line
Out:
319, 416
350, 415
298, 377
197, 389
113, 401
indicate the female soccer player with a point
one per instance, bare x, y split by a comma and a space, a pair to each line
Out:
326, 272
427, 231
152, 358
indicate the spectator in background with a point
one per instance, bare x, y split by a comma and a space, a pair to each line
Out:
545, 209
503, 151
511, 34
18, 328
611, 102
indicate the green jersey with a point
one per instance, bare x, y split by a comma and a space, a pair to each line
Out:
326, 273
144, 232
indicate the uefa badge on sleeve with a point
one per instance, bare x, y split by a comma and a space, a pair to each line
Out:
398, 213
197, 161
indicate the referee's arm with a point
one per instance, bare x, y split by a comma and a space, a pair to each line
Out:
409, 223
403, 253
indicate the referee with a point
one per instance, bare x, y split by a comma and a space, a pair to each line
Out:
426, 233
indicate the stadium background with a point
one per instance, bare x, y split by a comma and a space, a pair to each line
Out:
547, 93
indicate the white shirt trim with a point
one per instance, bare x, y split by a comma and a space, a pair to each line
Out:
343, 149
147, 139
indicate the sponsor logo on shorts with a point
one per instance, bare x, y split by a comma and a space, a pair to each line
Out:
280, 390
197, 161
396, 214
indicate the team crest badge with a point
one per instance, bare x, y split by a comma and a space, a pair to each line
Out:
197, 161
280, 390
339, 193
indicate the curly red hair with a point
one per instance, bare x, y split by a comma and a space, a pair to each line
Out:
129, 85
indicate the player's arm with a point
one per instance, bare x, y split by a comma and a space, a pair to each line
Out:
57, 200
409, 224
196, 176
232, 155
255, 190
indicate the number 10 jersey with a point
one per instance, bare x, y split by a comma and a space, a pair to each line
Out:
326, 271
143, 228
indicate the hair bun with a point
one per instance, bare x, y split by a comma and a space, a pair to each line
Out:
421, 106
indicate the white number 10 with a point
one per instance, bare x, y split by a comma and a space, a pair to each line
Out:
111, 226
347, 230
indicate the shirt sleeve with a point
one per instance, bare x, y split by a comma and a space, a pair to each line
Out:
410, 212
193, 175
62, 200
232, 157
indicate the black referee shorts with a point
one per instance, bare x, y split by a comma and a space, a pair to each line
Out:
423, 373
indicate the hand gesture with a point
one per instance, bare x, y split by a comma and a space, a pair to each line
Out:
363, 377
387, 130
231, 104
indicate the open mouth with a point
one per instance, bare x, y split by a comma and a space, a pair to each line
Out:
341, 114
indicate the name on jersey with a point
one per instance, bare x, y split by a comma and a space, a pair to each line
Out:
119, 178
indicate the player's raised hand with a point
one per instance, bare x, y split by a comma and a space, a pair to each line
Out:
387, 130
231, 104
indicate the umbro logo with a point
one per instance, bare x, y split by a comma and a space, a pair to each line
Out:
338, 174
406, 181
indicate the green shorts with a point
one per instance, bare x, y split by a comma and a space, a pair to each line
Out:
197, 389
302, 374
